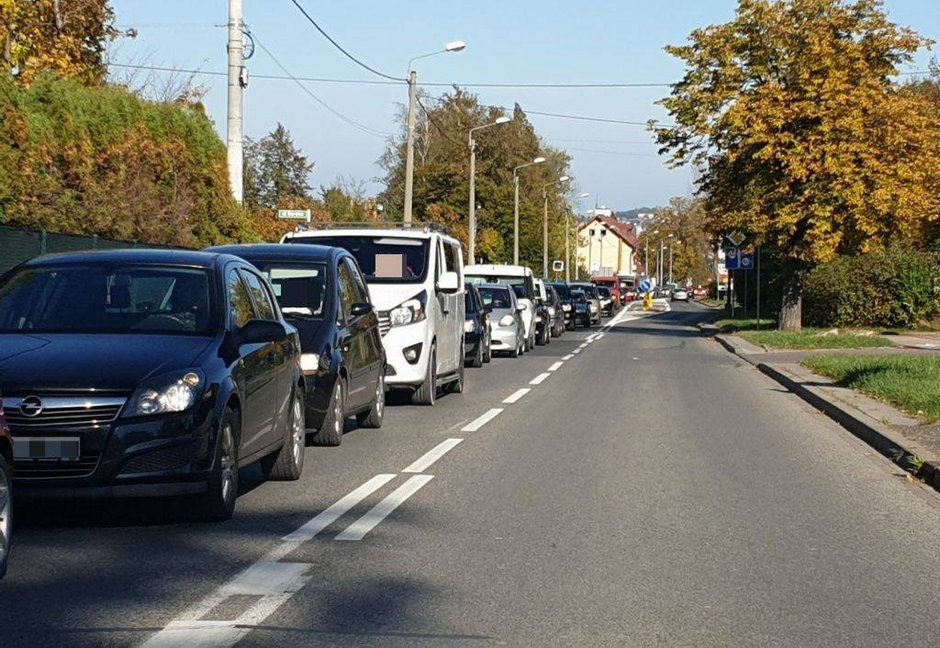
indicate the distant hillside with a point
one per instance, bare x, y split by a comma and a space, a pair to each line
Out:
631, 214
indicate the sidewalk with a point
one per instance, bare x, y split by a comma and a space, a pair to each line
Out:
912, 445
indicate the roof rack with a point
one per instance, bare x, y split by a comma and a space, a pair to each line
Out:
426, 227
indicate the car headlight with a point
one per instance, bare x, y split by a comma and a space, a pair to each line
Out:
506, 320
410, 311
167, 393
566, 307
309, 363
593, 307
468, 326
538, 318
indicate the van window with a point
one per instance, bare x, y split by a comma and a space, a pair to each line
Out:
382, 259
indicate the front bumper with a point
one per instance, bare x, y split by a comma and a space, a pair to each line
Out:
505, 338
395, 341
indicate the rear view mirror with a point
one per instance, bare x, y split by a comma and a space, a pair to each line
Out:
360, 308
448, 282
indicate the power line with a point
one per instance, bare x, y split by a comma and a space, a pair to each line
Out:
362, 127
623, 153
340, 47
434, 122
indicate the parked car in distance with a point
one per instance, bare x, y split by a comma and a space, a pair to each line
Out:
594, 300
506, 315
555, 310
6, 492
514, 275
416, 280
680, 293
607, 301
147, 373
567, 301
613, 284
543, 316
700, 292
477, 328
581, 308
322, 293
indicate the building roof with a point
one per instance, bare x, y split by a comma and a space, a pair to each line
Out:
623, 230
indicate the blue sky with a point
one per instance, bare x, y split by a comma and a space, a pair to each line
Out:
523, 41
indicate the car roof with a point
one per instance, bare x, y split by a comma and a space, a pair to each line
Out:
130, 256
371, 232
498, 269
280, 251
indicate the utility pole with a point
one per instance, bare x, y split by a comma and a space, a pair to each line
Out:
410, 149
545, 235
236, 89
567, 245
515, 221
670, 262
472, 233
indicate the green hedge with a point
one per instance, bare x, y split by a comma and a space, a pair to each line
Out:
896, 288
102, 161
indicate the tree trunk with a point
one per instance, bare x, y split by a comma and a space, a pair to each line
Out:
791, 310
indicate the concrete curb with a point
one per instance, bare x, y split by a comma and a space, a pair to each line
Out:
739, 346
822, 394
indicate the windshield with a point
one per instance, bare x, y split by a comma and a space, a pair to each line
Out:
604, 292
496, 297
589, 291
524, 284
382, 259
300, 288
563, 291
99, 299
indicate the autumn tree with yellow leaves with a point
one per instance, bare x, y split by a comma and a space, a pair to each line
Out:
802, 137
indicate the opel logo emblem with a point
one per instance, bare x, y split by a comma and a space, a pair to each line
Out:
31, 406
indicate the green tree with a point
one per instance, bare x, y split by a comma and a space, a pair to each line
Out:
65, 36
275, 170
683, 225
802, 139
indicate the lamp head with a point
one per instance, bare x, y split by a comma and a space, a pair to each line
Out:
564, 179
455, 46
538, 160
502, 120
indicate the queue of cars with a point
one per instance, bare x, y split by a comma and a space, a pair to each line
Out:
150, 373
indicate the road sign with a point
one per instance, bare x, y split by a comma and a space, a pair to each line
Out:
558, 266
645, 286
736, 238
747, 261
732, 258
294, 214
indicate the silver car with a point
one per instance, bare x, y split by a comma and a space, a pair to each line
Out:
506, 318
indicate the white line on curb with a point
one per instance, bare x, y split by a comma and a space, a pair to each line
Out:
483, 420
358, 529
517, 395
428, 459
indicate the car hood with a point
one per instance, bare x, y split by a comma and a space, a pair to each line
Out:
387, 296
43, 362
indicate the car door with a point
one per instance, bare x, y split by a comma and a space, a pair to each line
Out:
373, 351
266, 364
454, 309
351, 339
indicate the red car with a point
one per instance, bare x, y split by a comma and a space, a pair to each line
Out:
6, 491
698, 292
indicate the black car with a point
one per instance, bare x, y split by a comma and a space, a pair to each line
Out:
557, 310
563, 291
321, 292
580, 308
6, 492
137, 373
476, 331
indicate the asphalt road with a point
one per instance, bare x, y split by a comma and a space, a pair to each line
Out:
649, 490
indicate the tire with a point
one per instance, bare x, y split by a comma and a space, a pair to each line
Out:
6, 514
457, 386
477, 360
488, 356
426, 393
374, 417
219, 503
287, 463
515, 353
331, 432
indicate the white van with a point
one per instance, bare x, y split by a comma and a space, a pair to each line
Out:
523, 281
416, 283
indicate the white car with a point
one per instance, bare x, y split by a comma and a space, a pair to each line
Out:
680, 294
416, 283
522, 279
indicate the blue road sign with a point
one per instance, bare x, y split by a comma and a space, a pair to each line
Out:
645, 285
736, 259
747, 261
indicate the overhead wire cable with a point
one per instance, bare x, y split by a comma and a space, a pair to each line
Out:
433, 121
342, 49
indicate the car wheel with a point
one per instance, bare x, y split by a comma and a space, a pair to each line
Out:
374, 417
426, 393
456, 387
331, 431
287, 463
515, 353
6, 514
488, 356
477, 360
219, 503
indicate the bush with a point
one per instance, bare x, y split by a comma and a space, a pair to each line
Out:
896, 288
102, 161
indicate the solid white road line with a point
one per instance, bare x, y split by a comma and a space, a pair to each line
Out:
428, 459
483, 420
556, 366
568, 357
337, 510
538, 380
358, 529
514, 397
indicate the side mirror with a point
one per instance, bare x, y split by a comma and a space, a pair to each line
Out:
360, 308
520, 308
448, 282
259, 332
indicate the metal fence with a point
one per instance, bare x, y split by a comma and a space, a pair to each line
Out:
18, 245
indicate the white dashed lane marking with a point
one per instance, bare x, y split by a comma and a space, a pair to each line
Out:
539, 379
556, 366
483, 420
568, 357
515, 396
358, 529
432, 455
337, 510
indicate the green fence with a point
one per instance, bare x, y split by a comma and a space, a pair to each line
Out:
18, 245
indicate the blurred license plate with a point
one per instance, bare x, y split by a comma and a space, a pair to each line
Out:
46, 448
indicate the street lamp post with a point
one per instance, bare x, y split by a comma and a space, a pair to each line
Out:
453, 46
515, 212
545, 187
472, 226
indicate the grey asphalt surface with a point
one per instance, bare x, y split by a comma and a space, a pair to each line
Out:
654, 490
